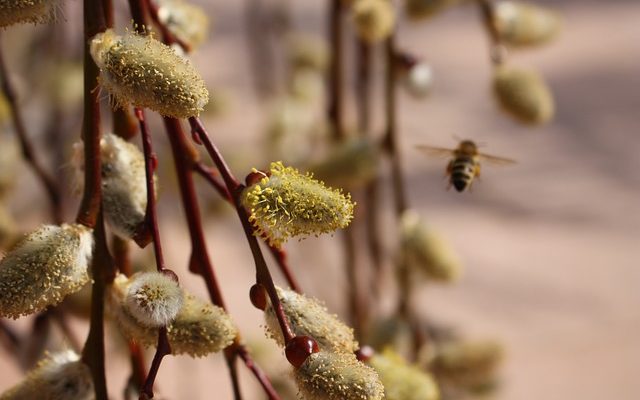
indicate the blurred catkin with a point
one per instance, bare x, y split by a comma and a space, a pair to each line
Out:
186, 21
309, 317
26, 11
200, 328
374, 19
402, 381
60, 376
307, 52
524, 94
423, 250
47, 265
144, 72
286, 203
524, 24
337, 376
352, 163
420, 9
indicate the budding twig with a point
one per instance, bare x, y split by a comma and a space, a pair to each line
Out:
498, 51
27, 147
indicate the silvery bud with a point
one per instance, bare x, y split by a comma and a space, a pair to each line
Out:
153, 299
47, 265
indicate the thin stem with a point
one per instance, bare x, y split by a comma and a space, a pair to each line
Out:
211, 175
263, 276
336, 70
498, 51
185, 159
27, 147
280, 256
168, 37
162, 350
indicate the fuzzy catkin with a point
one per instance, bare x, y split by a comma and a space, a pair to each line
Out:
402, 381
199, 328
287, 203
309, 317
523, 94
374, 19
524, 24
47, 265
186, 21
26, 11
351, 164
337, 376
60, 376
153, 299
144, 72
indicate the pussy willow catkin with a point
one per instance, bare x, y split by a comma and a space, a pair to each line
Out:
60, 376
25, 11
524, 94
352, 163
47, 265
524, 24
286, 203
153, 298
308, 317
402, 381
374, 19
144, 72
186, 21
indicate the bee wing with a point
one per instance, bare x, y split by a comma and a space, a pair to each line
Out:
435, 151
494, 160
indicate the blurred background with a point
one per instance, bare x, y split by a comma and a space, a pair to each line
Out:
549, 246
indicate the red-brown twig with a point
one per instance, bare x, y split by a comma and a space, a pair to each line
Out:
335, 106
498, 52
27, 147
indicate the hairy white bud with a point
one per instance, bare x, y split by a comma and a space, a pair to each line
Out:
153, 298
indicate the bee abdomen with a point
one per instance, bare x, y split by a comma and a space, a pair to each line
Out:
462, 172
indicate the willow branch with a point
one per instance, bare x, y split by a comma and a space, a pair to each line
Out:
498, 49
336, 70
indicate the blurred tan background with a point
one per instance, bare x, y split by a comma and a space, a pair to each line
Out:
550, 246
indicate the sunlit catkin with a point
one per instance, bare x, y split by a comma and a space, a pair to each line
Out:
424, 250
469, 364
199, 328
374, 19
337, 376
142, 71
286, 203
26, 11
352, 163
43, 268
524, 94
402, 381
309, 317
420, 9
524, 24
60, 376
153, 298
186, 21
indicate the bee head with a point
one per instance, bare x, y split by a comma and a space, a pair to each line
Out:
468, 147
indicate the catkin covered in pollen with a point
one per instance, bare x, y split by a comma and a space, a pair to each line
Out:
60, 376
286, 203
308, 317
524, 94
402, 381
144, 72
153, 298
47, 265
199, 328
337, 376
26, 11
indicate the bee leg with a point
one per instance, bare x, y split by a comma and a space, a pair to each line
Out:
476, 172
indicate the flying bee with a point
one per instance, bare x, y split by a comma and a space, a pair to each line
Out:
465, 164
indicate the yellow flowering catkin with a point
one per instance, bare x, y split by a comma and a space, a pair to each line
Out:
351, 164
199, 328
43, 268
524, 24
24, 11
287, 203
420, 9
309, 317
186, 21
523, 94
425, 251
337, 376
402, 381
60, 376
142, 71
469, 364
374, 19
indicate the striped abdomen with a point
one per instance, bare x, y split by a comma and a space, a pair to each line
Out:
463, 170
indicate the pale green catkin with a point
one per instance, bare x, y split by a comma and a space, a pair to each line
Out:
200, 328
524, 24
337, 376
351, 164
26, 11
309, 317
47, 265
524, 94
287, 203
60, 376
142, 71
402, 381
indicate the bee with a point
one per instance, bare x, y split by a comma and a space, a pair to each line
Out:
465, 164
